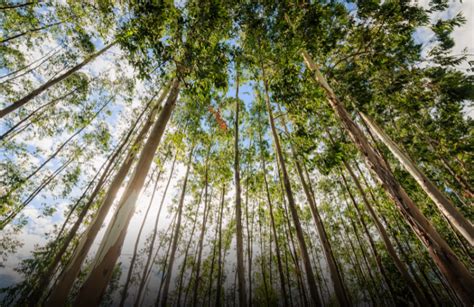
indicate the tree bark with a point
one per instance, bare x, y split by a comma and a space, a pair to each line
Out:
111, 245
456, 273
20, 102
465, 228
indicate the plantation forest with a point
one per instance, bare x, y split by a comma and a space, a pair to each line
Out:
236, 153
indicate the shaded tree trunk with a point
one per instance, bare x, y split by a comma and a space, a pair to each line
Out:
272, 219
7, 39
465, 228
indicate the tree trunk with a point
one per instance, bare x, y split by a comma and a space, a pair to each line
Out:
7, 39
18, 5
153, 238
13, 214
238, 205
336, 277
219, 261
377, 257
272, 219
186, 252
42, 60
291, 202
465, 228
412, 285
177, 232
203, 229
66, 280
449, 264
48, 273
111, 245
20, 102
137, 241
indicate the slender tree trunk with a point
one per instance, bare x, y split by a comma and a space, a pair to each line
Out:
20, 102
65, 282
109, 251
449, 264
357, 266
219, 261
238, 205
249, 241
367, 264
411, 284
336, 277
53, 101
48, 273
137, 241
153, 238
186, 252
165, 263
262, 261
42, 60
291, 202
465, 228
17, 210
18, 5
272, 219
203, 229
373, 248
177, 232
7, 39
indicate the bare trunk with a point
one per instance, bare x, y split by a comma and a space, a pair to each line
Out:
111, 245
238, 205
137, 242
411, 284
65, 282
373, 248
177, 232
20, 102
7, 39
291, 202
219, 261
272, 219
15, 6
203, 229
336, 277
186, 252
456, 273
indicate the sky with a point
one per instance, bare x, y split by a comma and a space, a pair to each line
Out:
34, 233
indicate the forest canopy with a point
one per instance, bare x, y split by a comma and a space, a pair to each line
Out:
278, 153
